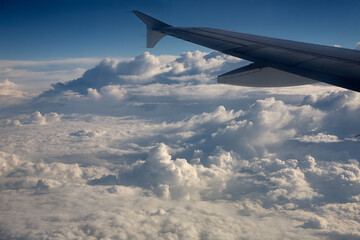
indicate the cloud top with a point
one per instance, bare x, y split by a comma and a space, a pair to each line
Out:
147, 68
152, 148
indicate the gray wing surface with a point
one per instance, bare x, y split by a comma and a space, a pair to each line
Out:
276, 62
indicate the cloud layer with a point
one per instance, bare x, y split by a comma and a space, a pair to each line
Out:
153, 148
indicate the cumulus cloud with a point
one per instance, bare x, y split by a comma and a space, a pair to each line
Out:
357, 46
319, 138
7, 88
170, 178
315, 222
153, 143
41, 176
291, 183
147, 68
37, 118
11, 93
37, 75
108, 71
8, 162
110, 92
334, 100
33, 118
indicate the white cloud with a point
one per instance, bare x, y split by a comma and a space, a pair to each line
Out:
8, 162
11, 93
152, 148
109, 93
85, 133
357, 46
291, 184
33, 118
8, 84
35, 75
37, 118
113, 91
147, 68
334, 100
319, 138
127, 213
315, 222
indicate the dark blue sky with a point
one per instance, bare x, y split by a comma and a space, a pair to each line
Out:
54, 29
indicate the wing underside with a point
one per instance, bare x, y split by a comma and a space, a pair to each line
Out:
277, 62
254, 75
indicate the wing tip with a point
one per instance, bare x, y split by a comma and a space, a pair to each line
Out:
150, 22
152, 27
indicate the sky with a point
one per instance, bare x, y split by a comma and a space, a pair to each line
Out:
44, 30
101, 138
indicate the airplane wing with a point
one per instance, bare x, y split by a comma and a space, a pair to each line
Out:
276, 62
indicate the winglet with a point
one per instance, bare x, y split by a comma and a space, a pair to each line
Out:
152, 26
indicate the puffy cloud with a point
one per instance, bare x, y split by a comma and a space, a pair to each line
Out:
33, 118
357, 46
291, 184
8, 162
334, 100
85, 133
11, 93
35, 75
315, 222
267, 123
111, 92
128, 213
319, 138
7, 88
174, 179
199, 66
170, 178
20, 174
147, 68
108, 72
152, 143
37, 118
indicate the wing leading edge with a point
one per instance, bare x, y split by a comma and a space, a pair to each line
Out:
277, 62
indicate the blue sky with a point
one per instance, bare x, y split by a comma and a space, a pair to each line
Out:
42, 30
